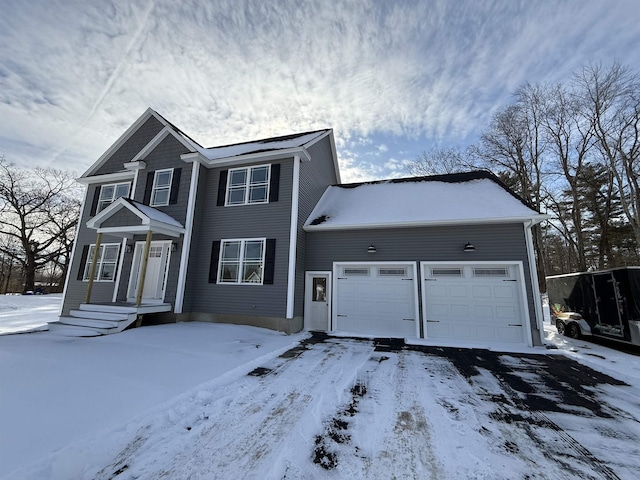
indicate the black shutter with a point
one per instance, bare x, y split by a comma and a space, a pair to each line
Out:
148, 187
83, 261
274, 183
213, 264
96, 198
222, 187
175, 186
269, 261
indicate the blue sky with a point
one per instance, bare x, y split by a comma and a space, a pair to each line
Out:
391, 78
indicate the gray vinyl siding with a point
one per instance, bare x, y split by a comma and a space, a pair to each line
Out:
165, 155
270, 220
315, 177
121, 218
498, 242
129, 149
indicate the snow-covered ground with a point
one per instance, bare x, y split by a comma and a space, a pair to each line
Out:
20, 313
205, 401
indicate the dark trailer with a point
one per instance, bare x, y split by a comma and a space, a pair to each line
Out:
607, 300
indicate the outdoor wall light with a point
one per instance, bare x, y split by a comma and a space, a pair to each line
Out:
174, 247
128, 248
372, 249
469, 248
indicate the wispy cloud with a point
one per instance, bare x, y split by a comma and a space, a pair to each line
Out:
76, 74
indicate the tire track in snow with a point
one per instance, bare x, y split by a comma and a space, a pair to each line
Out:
239, 435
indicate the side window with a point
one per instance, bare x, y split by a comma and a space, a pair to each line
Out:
248, 185
105, 263
161, 187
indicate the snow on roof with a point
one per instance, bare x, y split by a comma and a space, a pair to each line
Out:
154, 214
268, 144
458, 198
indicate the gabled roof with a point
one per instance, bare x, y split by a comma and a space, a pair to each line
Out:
151, 219
462, 198
298, 140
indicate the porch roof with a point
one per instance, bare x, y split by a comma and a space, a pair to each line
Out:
145, 219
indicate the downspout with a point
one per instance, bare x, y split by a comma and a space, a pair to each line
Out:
293, 237
186, 241
531, 256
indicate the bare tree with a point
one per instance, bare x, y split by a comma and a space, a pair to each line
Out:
38, 209
441, 160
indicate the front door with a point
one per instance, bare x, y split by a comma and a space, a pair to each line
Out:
156, 276
317, 304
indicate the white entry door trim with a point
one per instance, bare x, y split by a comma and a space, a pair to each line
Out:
518, 275
411, 271
155, 283
313, 304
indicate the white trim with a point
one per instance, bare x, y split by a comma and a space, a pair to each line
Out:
73, 250
414, 273
307, 296
99, 263
533, 271
258, 157
524, 302
464, 221
113, 198
186, 241
130, 231
116, 287
293, 237
108, 177
243, 242
137, 165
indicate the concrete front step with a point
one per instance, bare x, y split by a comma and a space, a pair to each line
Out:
89, 322
57, 328
126, 308
116, 317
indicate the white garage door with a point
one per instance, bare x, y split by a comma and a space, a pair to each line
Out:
475, 302
376, 299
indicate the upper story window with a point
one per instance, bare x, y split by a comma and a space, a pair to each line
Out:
109, 193
248, 185
105, 263
242, 261
161, 189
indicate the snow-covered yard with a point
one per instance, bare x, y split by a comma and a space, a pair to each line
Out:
205, 401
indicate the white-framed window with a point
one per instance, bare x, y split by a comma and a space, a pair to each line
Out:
105, 264
161, 187
248, 185
242, 261
109, 193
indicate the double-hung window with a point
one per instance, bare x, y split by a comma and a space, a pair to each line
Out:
248, 185
242, 261
105, 263
161, 187
109, 193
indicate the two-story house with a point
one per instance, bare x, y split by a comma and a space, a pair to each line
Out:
263, 233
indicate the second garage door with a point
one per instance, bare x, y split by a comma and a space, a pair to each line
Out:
376, 299
473, 302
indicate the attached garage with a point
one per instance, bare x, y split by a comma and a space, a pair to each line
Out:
475, 301
376, 299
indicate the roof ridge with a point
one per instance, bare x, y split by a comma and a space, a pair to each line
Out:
270, 139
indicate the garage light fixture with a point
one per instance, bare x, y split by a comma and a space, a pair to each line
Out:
372, 249
469, 248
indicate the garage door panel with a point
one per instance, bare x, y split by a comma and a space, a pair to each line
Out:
473, 303
376, 304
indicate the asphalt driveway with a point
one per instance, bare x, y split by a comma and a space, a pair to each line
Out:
349, 408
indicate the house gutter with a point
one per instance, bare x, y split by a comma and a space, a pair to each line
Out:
293, 237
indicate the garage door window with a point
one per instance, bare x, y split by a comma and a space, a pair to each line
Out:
392, 272
491, 272
446, 272
362, 272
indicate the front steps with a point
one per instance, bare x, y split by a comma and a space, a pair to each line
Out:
93, 320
